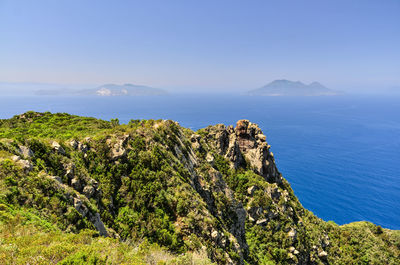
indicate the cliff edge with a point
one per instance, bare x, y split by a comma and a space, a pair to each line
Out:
216, 191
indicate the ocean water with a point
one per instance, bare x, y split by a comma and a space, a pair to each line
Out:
340, 154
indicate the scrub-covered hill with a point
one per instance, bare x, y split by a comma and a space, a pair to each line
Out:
82, 190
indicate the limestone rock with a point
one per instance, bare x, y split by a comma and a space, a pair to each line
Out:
70, 171
255, 212
74, 144
322, 254
118, 152
80, 207
96, 221
195, 140
58, 148
210, 158
325, 241
25, 164
251, 190
117, 146
292, 233
83, 148
25, 152
76, 184
245, 144
15, 158
262, 222
215, 235
56, 178
89, 191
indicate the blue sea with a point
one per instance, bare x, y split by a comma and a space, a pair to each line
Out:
340, 154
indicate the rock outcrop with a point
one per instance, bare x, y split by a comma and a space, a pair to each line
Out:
245, 144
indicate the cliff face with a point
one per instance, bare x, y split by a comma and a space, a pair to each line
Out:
217, 190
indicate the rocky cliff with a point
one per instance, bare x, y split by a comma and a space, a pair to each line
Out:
216, 190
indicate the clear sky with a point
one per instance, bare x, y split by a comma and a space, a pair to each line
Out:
207, 44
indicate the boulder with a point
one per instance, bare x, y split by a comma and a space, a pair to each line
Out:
322, 254
26, 165
195, 140
89, 191
25, 152
96, 221
56, 178
80, 207
117, 147
215, 235
76, 183
58, 148
74, 144
210, 158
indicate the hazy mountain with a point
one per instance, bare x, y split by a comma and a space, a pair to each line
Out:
105, 90
124, 90
290, 88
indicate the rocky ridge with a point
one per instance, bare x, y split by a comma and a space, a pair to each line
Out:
220, 190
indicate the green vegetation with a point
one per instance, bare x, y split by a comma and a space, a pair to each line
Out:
78, 190
29, 239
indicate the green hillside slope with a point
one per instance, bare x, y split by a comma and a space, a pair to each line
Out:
80, 190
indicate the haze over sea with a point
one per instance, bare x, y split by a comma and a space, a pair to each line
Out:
340, 154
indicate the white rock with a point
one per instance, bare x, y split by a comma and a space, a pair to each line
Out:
214, 235
251, 190
292, 233
25, 152
56, 146
210, 158
322, 254
26, 165
262, 222
56, 178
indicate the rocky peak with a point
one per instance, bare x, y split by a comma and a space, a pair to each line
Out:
245, 145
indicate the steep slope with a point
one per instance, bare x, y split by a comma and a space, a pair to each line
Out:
217, 191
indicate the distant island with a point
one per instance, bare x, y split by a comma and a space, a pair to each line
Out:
106, 90
290, 88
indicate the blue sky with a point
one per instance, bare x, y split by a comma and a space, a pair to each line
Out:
201, 45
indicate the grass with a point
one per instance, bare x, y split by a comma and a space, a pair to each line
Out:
28, 239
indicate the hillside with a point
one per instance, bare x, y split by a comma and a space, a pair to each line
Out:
79, 190
290, 88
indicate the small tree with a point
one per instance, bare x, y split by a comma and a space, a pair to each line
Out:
114, 122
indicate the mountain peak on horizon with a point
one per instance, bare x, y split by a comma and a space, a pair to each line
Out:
284, 87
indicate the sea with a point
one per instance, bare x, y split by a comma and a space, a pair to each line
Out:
341, 154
